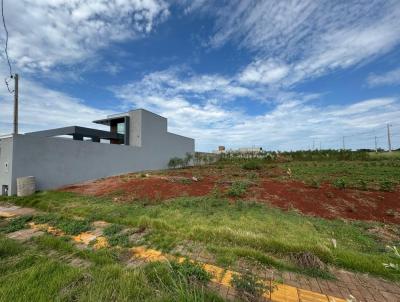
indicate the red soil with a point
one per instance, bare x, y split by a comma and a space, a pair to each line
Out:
327, 202
149, 188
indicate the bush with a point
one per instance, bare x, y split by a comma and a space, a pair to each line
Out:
251, 165
174, 162
191, 271
237, 189
249, 287
339, 183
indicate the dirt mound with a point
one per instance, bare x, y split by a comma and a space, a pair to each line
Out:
325, 201
329, 202
144, 188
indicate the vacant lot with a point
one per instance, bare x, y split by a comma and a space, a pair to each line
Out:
258, 216
362, 190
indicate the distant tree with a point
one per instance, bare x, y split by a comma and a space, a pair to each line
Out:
174, 162
188, 158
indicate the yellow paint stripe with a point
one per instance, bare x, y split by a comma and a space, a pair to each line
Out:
280, 293
6, 214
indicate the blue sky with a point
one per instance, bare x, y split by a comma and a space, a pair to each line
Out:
277, 74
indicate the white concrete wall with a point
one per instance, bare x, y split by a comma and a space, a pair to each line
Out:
6, 149
57, 162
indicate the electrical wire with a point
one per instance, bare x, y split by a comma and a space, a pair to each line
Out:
5, 29
6, 49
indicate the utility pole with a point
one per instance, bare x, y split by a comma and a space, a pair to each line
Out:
320, 146
15, 103
313, 144
344, 147
376, 144
388, 135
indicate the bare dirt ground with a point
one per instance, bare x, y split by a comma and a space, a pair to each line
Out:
325, 201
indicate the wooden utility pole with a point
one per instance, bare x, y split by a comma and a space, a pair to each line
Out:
388, 135
15, 103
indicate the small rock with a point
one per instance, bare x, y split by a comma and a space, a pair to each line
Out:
195, 178
334, 243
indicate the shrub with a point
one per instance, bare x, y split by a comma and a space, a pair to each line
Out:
188, 159
237, 189
251, 165
386, 185
174, 162
191, 271
249, 287
339, 183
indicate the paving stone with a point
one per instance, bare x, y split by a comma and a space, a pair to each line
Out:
390, 297
25, 234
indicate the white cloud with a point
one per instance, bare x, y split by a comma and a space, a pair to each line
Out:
303, 39
391, 77
291, 123
41, 108
364, 106
264, 72
180, 82
47, 33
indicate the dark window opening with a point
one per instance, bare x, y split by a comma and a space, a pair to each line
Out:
4, 190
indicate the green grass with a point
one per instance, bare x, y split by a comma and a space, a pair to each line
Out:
16, 224
233, 230
27, 274
68, 225
355, 174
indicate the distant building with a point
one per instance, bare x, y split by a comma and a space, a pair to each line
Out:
253, 150
250, 150
138, 140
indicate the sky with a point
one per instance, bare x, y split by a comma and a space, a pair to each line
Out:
282, 75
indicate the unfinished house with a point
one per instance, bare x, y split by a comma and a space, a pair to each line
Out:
136, 141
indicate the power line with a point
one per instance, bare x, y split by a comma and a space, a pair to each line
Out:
5, 29
6, 80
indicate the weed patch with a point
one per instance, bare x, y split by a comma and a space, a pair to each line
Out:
237, 189
249, 287
251, 165
67, 225
16, 224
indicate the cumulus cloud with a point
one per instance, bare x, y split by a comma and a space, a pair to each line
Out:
291, 122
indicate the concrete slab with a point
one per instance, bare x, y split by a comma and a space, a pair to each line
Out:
15, 211
24, 235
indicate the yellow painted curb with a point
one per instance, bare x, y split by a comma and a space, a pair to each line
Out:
280, 293
5, 214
